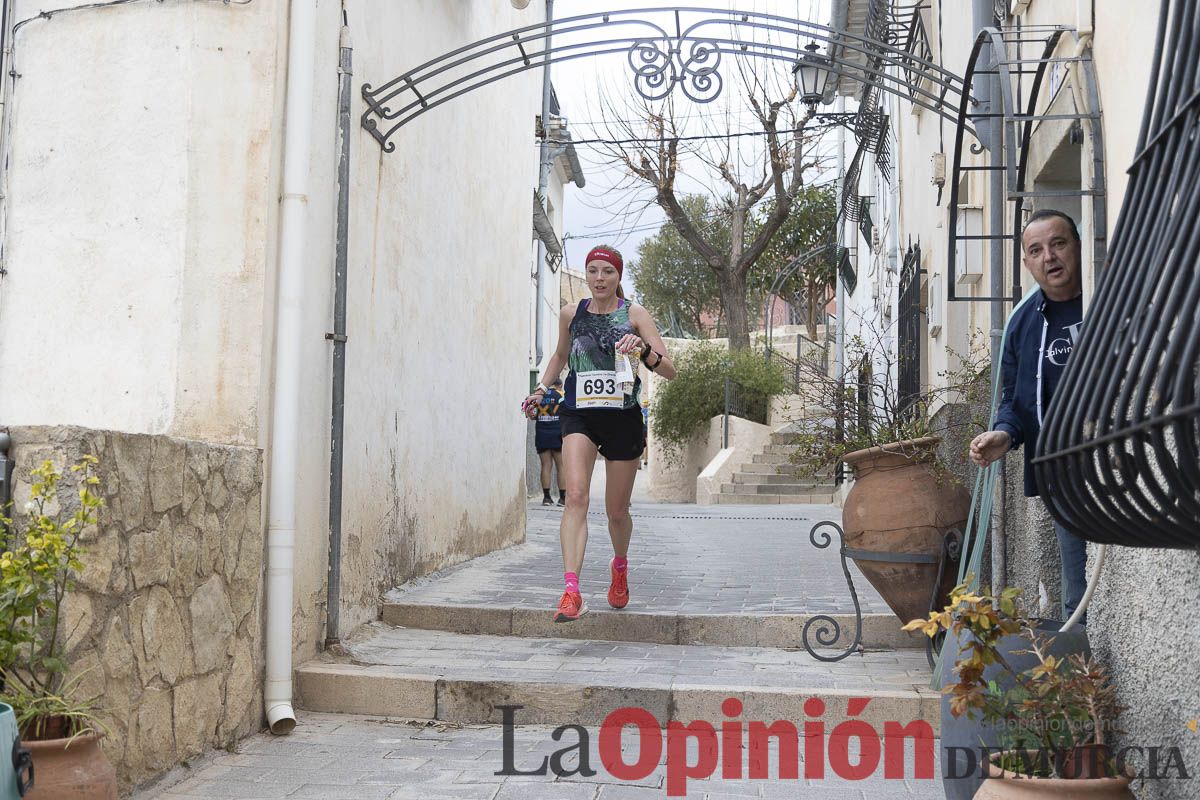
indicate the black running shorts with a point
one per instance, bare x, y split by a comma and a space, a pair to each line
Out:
619, 435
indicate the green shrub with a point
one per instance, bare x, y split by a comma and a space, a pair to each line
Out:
684, 406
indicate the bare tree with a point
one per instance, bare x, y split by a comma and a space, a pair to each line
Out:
649, 141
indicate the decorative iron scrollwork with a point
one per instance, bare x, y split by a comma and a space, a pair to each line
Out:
692, 64
822, 628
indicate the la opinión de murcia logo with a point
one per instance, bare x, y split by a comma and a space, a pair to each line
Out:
696, 750
725, 748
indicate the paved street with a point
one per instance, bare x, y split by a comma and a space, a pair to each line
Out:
684, 559
336, 757
705, 580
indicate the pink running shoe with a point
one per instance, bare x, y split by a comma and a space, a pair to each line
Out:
618, 590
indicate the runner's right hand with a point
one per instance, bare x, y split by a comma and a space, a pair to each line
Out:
530, 405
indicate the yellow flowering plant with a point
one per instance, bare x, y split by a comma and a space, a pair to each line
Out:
1057, 707
39, 565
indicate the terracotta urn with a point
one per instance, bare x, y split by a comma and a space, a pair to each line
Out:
896, 516
71, 769
1000, 784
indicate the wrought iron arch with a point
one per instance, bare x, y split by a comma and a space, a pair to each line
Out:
660, 60
1018, 117
787, 273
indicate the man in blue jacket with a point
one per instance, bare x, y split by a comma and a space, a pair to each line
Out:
1041, 336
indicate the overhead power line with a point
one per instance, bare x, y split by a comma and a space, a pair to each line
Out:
664, 139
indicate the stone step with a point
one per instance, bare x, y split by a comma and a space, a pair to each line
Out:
746, 499
786, 438
465, 679
802, 493
781, 449
879, 631
775, 478
778, 459
769, 469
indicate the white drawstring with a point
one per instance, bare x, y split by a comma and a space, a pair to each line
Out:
1101, 554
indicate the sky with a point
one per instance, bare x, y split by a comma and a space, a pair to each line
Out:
598, 214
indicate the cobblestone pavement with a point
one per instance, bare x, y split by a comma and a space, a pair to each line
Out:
333, 756
632, 664
684, 559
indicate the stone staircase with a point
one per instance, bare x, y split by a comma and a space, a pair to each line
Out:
771, 478
460, 646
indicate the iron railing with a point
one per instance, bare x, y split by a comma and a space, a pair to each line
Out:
915, 41
1122, 433
1026, 56
847, 271
742, 402
849, 208
909, 330
865, 223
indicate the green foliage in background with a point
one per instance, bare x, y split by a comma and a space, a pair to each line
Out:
684, 406
679, 288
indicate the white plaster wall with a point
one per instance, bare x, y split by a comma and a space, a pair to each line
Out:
141, 246
139, 205
438, 314
746, 438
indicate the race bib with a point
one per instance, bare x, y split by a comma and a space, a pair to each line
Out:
598, 389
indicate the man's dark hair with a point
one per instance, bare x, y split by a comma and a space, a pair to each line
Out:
1047, 213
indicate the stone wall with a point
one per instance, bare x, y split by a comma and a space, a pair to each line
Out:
165, 625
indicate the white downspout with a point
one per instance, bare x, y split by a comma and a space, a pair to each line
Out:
285, 416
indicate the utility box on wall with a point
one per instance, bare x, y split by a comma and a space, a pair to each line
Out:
968, 256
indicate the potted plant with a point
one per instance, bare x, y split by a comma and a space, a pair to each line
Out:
905, 498
38, 568
1052, 715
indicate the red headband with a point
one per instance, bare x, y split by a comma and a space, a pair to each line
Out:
608, 257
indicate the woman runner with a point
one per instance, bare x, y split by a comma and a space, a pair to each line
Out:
598, 417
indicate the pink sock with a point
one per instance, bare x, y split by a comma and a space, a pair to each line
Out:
572, 581
620, 563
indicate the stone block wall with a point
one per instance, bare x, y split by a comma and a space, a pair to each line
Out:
165, 627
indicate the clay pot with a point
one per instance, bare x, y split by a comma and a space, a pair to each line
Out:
75, 771
1000, 784
899, 504
962, 737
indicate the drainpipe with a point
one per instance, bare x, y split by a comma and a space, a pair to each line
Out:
840, 337
338, 337
7, 88
545, 162
289, 337
987, 92
7, 465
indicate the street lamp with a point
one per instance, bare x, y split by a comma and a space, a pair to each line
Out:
812, 74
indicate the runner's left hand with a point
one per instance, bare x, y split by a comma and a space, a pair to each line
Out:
630, 344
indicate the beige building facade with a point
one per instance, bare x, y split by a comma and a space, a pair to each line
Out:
1082, 142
